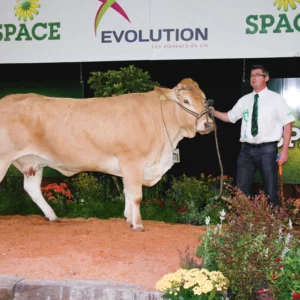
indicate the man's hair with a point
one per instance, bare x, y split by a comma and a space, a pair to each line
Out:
265, 70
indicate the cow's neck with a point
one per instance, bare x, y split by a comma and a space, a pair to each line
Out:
176, 130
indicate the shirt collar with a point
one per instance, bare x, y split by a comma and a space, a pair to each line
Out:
262, 92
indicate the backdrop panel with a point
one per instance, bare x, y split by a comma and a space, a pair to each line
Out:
124, 30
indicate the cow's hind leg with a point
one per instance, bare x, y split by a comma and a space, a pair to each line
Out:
32, 185
128, 208
132, 180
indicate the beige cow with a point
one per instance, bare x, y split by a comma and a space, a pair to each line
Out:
131, 136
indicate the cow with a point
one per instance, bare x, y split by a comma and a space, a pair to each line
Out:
131, 136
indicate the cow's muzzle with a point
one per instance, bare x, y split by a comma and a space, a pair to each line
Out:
205, 127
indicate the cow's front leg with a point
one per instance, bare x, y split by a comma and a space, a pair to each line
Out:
132, 180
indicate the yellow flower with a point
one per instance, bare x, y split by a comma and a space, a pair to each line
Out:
199, 281
285, 4
26, 8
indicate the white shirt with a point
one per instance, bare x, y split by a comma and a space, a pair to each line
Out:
273, 114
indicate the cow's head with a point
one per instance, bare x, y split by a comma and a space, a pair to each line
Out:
191, 108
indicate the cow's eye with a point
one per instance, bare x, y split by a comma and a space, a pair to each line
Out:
186, 102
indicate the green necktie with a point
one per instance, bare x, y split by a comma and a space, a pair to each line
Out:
254, 127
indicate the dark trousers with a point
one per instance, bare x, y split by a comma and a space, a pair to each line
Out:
261, 158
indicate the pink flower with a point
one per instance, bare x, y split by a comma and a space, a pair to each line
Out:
296, 295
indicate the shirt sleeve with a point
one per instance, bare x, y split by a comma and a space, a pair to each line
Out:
236, 112
284, 113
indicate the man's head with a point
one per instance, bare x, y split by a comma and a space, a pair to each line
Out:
259, 77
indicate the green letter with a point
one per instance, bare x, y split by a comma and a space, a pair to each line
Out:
265, 24
1, 34
23, 31
255, 27
283, 22
35, 36
296, 25
9, 32
53, 31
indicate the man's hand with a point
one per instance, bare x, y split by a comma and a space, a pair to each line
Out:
283, 157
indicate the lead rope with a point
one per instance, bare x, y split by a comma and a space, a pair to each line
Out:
219, 157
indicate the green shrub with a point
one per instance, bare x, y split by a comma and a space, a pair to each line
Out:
285, 279
249, 245
190, 196
158, 191
124, 81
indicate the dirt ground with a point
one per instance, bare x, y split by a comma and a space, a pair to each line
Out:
106, 250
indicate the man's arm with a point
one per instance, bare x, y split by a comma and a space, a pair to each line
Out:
223, 116
287, 134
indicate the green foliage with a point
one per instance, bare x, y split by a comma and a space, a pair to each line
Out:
158, 190
285, 279
98, 195
206, 250
13, 171
89, 187
13, 198
124, 81
17, 204
159, 210
191, 196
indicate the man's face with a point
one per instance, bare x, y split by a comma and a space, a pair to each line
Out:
258, 79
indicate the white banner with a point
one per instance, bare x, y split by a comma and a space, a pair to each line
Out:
34, 31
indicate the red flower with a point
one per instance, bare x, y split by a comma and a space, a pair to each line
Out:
277, 260
296, 295
182, 209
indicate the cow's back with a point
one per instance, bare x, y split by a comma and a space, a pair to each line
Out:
69, 130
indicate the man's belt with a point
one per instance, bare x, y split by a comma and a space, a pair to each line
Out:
259, 145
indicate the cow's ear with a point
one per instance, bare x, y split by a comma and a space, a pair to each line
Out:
165, 93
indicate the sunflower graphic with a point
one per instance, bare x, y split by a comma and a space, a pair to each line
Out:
285, 4
26, 9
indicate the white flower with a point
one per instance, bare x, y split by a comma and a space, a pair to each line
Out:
285, 251
222, 214
288, 238
290, 224
207, 220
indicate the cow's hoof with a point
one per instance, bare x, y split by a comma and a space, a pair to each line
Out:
53, 220
138, 228
127, 220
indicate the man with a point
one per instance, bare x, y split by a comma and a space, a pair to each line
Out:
265, 117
